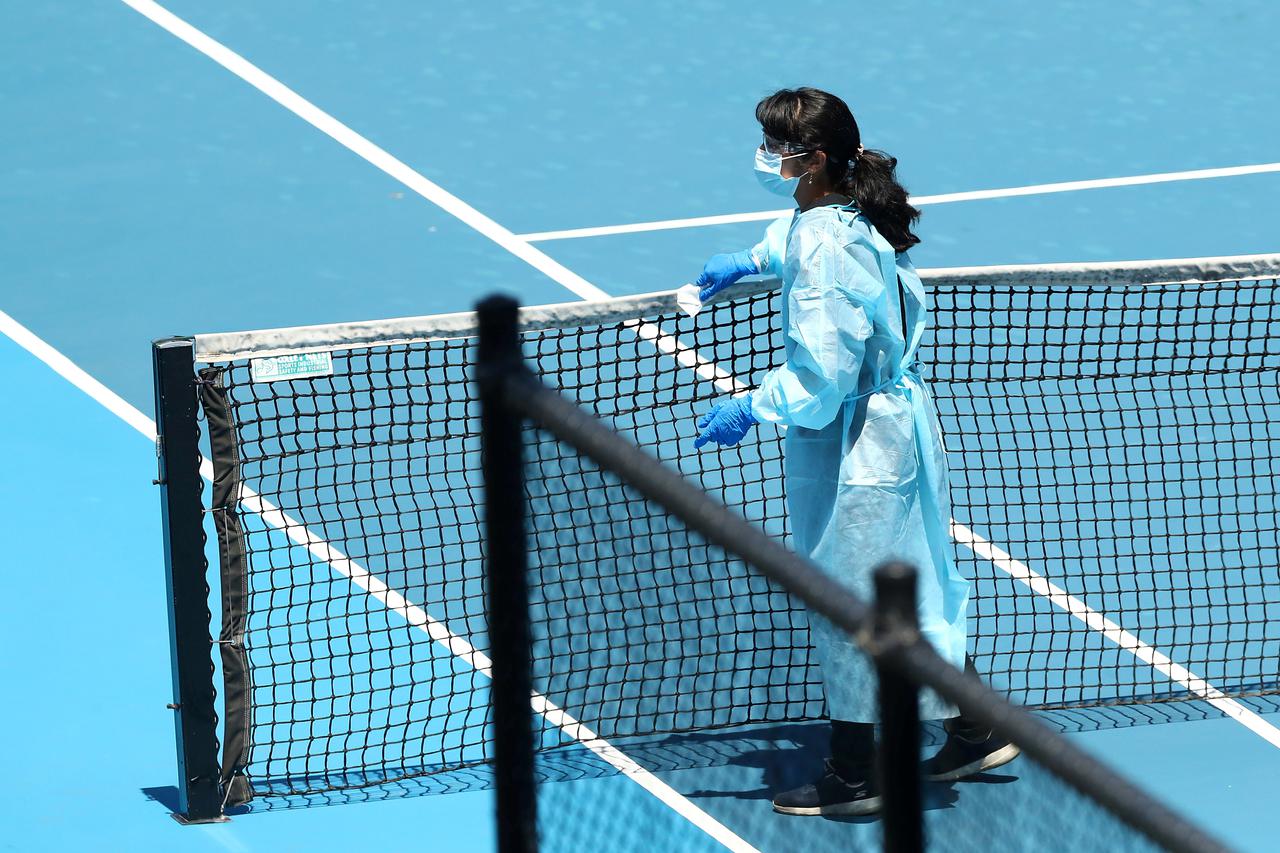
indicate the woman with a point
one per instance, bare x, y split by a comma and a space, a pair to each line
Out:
865, 472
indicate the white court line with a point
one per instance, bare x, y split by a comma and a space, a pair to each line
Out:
357, 144
462, 648
383, 160
432, 192
377, 589
68, 370
922, 201
1145, 652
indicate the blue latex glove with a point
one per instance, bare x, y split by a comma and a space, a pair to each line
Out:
722, 271
727, 422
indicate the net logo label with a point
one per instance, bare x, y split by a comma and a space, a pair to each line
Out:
296, 366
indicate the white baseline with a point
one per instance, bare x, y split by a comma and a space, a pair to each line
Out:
922, 201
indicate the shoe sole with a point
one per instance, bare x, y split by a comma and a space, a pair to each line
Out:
870, 805
999, 758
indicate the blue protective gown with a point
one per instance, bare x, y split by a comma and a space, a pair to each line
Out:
866, 474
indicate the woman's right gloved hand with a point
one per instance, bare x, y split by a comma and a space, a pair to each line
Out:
727, 423
723, 270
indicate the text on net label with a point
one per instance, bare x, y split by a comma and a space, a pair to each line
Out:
293, 366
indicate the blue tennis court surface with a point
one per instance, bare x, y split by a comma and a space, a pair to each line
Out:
149, 191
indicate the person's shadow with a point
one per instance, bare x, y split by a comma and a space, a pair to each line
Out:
790, 756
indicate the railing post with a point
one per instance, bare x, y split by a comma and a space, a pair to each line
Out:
506, 551
896, 626
190, 644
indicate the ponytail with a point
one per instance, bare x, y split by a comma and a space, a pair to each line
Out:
873, 185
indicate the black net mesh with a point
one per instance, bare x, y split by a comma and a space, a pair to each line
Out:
1112, 444
717, 785
1116, 442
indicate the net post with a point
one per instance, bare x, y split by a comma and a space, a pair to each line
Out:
498, 356
190, 644
896, 627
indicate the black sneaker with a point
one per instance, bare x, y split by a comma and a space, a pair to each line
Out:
959, 758
831, 795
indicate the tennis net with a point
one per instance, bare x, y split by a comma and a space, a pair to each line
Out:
1063, 800
1110, 438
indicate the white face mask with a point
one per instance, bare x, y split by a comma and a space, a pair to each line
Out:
769, 173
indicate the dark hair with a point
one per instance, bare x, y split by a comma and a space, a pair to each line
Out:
822, 122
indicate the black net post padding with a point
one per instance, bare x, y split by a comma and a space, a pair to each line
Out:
506, 574
895, 626
234, 574
820, 593
190, 644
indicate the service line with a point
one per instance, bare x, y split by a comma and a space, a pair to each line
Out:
920, 201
